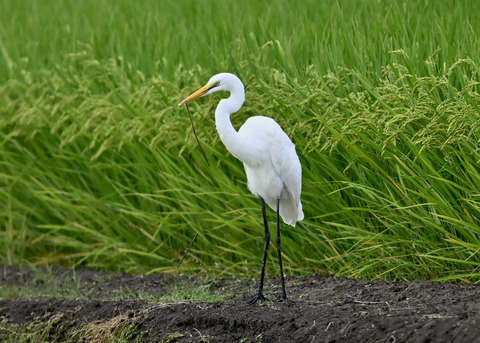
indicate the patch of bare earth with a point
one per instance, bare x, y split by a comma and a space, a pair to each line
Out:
329, 309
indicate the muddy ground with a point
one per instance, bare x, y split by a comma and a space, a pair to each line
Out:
329, 309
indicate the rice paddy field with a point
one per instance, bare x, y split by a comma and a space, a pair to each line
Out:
99, 166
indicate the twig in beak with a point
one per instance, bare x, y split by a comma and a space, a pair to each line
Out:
195, 133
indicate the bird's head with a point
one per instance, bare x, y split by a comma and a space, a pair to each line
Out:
219, 82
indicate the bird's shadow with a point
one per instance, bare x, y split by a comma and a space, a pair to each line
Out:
263, 301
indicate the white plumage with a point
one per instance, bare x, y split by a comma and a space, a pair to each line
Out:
272, 166
275, 172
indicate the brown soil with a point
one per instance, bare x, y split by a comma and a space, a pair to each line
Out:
330, 310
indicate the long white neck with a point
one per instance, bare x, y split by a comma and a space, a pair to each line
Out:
227, 132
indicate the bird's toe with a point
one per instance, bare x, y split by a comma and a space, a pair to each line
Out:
259, 297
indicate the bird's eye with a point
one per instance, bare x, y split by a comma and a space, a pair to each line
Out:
215, 84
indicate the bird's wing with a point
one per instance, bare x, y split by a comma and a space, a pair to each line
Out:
268, 143
287, 165
270, 149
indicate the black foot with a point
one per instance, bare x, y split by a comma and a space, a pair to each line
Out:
259, 297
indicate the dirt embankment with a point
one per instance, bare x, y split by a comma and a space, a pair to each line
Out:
324, 309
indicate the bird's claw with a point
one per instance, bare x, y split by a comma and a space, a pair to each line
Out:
259, 297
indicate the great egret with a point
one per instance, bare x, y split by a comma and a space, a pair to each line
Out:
272, 166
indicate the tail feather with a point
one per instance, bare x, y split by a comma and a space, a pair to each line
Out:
291, 214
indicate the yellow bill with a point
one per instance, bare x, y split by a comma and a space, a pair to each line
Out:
201, 92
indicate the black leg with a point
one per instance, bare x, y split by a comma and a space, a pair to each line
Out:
279, 249
260, 295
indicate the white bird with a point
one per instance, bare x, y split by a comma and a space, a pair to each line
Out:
272, 166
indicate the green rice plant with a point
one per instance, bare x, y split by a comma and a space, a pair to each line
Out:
99, 167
